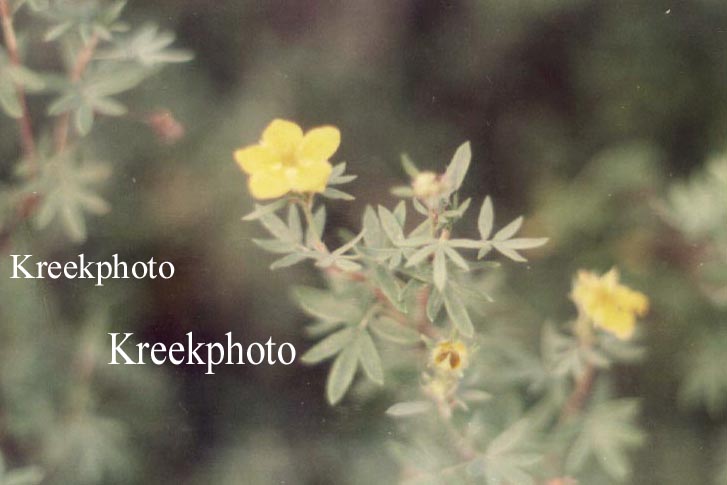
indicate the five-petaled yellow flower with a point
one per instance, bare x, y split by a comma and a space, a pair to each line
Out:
287, 160
607, 303
450, 356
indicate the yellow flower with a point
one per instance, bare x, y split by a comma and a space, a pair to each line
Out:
286, 160
450, 356
607, 303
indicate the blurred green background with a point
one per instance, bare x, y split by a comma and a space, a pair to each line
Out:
581, 115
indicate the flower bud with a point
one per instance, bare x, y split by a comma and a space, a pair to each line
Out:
166, 128
428, 186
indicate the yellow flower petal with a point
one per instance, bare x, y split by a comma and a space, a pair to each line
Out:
609, 304
255, 158
618, 322
320, 143
283, 136
268, 184
309, 176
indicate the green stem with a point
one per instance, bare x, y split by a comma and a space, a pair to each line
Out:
306, 205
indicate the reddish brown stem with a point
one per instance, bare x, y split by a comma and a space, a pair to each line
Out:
582, 390
11, 44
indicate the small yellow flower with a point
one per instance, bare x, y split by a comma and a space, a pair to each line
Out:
450, 356
607, 303
287, 160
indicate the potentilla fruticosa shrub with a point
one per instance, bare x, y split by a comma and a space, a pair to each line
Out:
697, 209
398, 309
56, 182
59, 176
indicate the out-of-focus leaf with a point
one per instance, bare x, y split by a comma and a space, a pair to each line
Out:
457, 312
325, 305
439, 269
508, 458
409, 408
370, 359
64, 185
389, 329
147, 46
458, 167
486, 219
608, 434
329, 346
342, 373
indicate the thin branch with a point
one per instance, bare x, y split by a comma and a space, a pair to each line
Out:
79, 67
24, 210
11, 44
581, 392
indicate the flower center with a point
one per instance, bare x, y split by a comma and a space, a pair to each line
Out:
450, 355
288, 158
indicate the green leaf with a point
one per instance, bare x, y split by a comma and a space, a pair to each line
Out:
420, 255
390, 225
294, 225
326, 305
332, 193
608, 434
439, 268
26, 78
484, 250
64, 103
56, 31
289, 260
507, 459
389, 286
64, 183
277, 227
370, 359
458, 313
342, 373
350, 244
705, 383
393, 331
261, 210
337, 175
510, 253
314, 233
522, 243
434, 304
408, 165
508, 231
457, 168
275, 246
109, 107
329, 346
409, 408
148, 47
456, 258
9, 100
83, 119
72, 218
347, 265
486, 219
402, 191
321, 328
400, 213
374, 236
